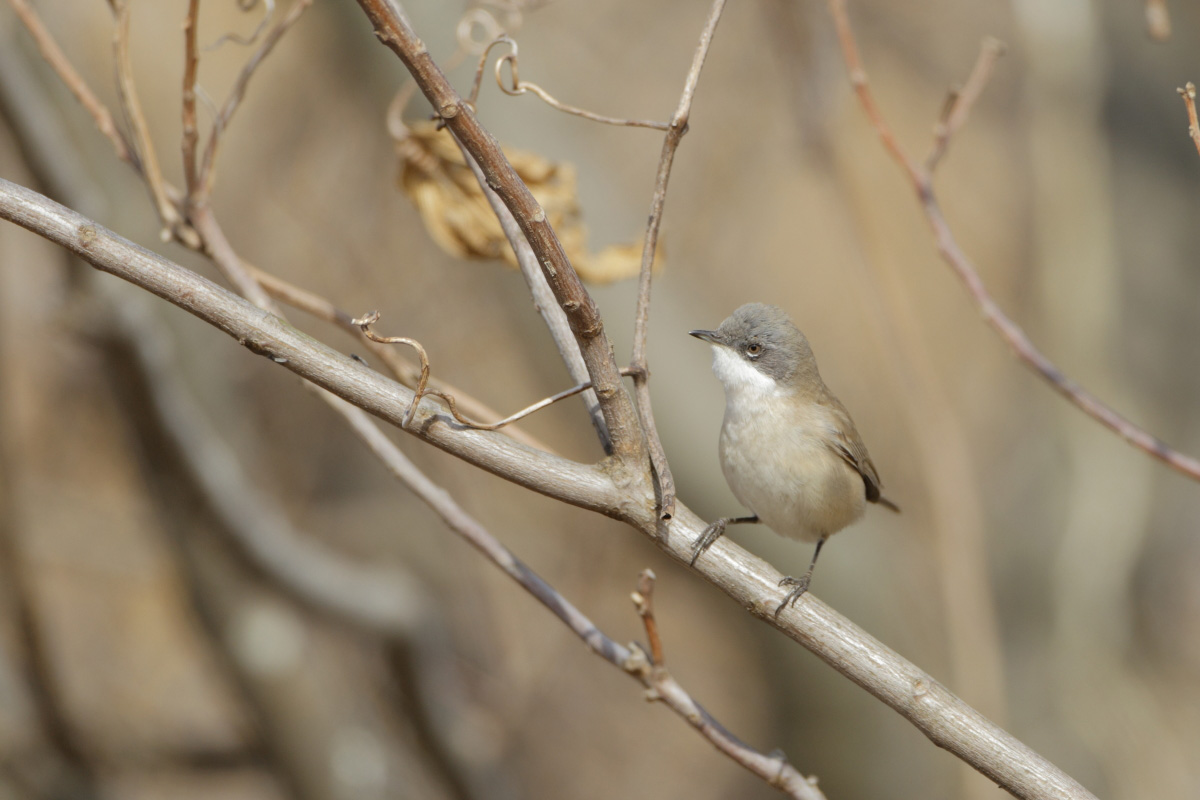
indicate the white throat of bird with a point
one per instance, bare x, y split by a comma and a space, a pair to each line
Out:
742, 379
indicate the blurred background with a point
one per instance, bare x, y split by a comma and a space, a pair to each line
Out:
1042, 569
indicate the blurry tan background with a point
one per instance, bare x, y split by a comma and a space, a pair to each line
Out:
1042, 568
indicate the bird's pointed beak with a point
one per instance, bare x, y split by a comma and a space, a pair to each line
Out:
709, 336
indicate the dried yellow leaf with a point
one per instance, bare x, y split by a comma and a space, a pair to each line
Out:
443, 188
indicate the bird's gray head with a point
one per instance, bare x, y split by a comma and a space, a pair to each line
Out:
760, 342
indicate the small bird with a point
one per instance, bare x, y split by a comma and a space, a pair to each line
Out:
789, 449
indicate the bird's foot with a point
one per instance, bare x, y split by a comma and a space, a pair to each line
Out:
799, 587
713, 532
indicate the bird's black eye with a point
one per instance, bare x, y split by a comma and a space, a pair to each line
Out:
754, 349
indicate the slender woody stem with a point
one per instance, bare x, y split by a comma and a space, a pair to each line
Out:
641, 367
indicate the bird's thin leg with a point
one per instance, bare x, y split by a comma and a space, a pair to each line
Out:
714, 532
799, 586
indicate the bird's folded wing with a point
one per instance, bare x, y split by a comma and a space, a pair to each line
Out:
845, 441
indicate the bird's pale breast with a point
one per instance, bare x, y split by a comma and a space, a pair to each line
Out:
795, 482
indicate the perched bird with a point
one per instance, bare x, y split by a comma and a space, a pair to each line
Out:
789, 449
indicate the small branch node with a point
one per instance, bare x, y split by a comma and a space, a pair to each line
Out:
643, 601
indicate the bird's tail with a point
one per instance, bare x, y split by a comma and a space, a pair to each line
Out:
883, 501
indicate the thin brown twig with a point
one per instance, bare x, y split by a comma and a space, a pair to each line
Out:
1188, 92
641, 376
628, 441
958, 107
950, 251
643, 601
452, 404
191, 64
238, 92
1158, 20
57, 59
172, 222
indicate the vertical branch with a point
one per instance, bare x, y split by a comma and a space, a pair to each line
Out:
191, 64
142, 142
641, 374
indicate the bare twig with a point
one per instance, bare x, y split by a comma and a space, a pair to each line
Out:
1188, 92
586, 324
944, 718
959, 104
643, 601
172, 222
638, 361
1158, 20
57, 59
964, 268
208, 165
518, 87
191, 64
578, 388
